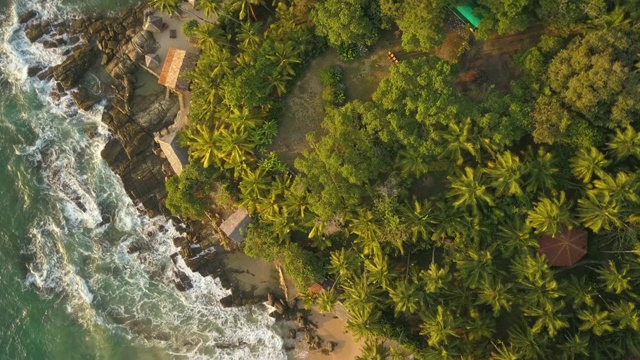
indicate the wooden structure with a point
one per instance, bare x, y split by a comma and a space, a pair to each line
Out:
153, 23
152, 60
177, 156
566, 248
235, 225
392, 58
177, 62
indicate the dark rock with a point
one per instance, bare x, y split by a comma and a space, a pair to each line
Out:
34, 70
270, 299
74, 39
83, 98
24, 18
180, 241
35, 31
292, 333
183, 281
48, 44
73, 68
280, 307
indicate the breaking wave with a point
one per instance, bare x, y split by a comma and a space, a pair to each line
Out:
79, 247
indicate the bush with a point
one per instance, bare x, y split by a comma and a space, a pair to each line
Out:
347, 52
332, 75
189, 27
188, 194
273, 164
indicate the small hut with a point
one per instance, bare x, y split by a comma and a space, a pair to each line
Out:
153, 23
152, 60
177, 156
236, 224
466, 14
177, 62
566, 248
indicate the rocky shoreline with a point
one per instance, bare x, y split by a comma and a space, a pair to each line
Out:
111, 49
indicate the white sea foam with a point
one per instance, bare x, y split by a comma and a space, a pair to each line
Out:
89, 265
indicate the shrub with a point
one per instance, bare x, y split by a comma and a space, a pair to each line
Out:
189, 27
347, 52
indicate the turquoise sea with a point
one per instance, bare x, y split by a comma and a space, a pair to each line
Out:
69, 289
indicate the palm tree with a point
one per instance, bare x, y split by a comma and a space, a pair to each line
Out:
625, 144
436, 278
587, 163
595, 320
496, 295
459, 139
211, 7
284, 56
576, 346
614, 280
211, 38
515, 236
243, 119
372, 350
548, 317
362, 320
165, 6
411, 163
254, 187
469, 191
326, 300
378, 268
599, 211
249, 36
539, 171
417, 218
358, 293
506, 174
526, 343
369, 231
406, 296
344, 264
236, 148
579, 291
278, 83
623, 187
616, 18
475, 268
439, 327
549, 216
503, 352
203, 144
626, 314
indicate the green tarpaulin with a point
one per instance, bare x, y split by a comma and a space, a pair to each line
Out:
466, 12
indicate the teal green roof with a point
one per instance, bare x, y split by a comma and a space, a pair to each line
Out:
466, 12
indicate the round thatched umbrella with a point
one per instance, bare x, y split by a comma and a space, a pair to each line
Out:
566, 248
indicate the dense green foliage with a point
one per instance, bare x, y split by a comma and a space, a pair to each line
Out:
424, 204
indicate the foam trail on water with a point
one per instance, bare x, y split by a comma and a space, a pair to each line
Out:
89, 265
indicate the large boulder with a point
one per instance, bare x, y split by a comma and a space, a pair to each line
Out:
24, 18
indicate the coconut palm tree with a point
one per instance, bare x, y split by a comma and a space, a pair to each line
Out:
236, 148
506, 174
614, 280
515, 236
526, 343
204, 144
599, 211
344, 264
417, 218
326, 300
212, 38
243, 119
469, 191
249, 36
539, 171
625, 143
284, 56
503, 352
377, 266
579, 291
373, 350
411, 163
497, 295
254, 187
548, 317
278, 83
476, 268
458, 139
587, 163
550, 215
165, 6
438, 327
576, 346
211, 7
621, 188
406, 296
595, 320
362, 320
369, 231
626, 314
358, 293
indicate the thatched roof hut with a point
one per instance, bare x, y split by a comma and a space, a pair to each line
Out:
177, 156
236, 224
566, 248
177, 62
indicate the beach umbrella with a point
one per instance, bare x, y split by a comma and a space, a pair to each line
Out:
152, 60
566, 248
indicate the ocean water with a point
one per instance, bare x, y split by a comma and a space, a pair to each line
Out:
69, 289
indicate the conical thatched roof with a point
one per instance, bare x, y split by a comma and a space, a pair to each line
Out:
153, 23
565, 249
152, 60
